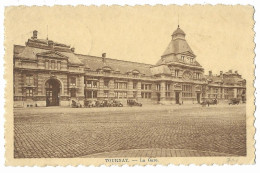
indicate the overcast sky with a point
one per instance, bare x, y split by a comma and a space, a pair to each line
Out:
220, 37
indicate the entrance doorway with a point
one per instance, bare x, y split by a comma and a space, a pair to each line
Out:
198, 97
52, 87
177, 97
158, 97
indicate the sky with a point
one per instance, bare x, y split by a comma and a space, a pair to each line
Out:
220, 36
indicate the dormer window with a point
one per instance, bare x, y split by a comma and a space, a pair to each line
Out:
58, 65
191, 60
176, 73
52, 64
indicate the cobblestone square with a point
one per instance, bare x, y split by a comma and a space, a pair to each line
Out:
156, 131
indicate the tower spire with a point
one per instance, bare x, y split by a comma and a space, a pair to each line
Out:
47, 32
178, 21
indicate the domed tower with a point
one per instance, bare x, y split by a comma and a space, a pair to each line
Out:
178, 59
178, 50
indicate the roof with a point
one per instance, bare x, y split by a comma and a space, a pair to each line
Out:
173, 58
178, 31
27, 52
95, 63
177, 46
163, 69
224, 80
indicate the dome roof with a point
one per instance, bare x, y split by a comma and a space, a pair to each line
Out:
178, 31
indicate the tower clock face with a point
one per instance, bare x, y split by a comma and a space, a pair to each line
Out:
187, 75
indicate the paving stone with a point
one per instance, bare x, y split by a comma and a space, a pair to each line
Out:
66, 132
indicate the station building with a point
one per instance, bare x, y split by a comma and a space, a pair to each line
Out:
48, 73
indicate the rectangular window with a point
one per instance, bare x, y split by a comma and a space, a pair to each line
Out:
146, 86
29, 80
29, 92
158, 87
89, 94
94, 94
135, 94
176, 73
52, 64
73, 81
135, 85
197, 76
187, 90
106, 83
191, 60
106, 94
168, 86
94, 84
116, 94
73, 92
168, 94
124, 94
146, 95
47, 64
182, 58
120, 85
89, 84
58, 65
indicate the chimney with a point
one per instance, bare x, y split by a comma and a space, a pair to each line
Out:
236, 72
103, 57
34, 34
230, 71
210, 73
72, 49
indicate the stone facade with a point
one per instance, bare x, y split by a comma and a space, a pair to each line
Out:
47, 73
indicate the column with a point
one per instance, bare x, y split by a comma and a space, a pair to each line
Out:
111, 88
162, 92
138, 89
154, 95
100, 88
130, 89
80, 86
235, 92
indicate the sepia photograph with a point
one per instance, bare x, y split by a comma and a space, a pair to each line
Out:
130, 84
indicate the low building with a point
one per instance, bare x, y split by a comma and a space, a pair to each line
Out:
47, 73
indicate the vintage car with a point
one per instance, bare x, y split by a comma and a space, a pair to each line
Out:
209, 102
133, 102
104, 103
75, 104
234, 101
117, 103
90, 103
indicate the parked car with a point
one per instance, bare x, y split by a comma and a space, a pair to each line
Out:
234, 101
90, 103
118, 104
209, 102
133, 102
75, 104
104, 103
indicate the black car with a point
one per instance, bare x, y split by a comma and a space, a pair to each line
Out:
234, 101
133, 103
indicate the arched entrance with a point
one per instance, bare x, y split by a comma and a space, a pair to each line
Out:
52, 87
